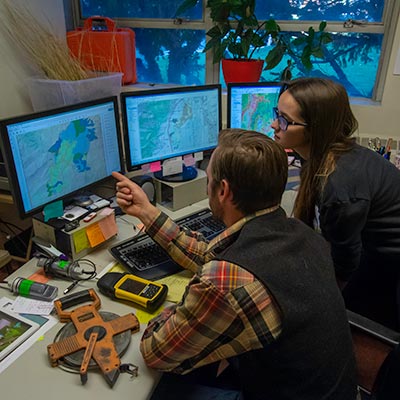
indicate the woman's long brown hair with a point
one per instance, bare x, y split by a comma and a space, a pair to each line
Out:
324, 106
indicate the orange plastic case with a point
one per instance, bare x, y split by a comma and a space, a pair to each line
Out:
100, 46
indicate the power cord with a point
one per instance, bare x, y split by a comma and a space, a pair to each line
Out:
77, 271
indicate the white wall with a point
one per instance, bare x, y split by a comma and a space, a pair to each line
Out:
383, 119
14, 67
380, 119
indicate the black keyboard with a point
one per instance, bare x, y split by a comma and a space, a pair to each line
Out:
145, 258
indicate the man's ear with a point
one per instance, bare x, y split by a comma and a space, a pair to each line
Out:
224, 191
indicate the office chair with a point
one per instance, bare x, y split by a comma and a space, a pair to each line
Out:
377, 352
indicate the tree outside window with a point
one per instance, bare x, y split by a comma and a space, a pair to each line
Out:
170, 49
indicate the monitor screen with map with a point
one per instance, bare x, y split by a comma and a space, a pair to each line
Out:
250, 105
54, 154
162, 124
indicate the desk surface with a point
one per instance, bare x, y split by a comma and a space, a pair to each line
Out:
31, 375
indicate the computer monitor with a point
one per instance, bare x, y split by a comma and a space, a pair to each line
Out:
161, 124
54, 154
250, 105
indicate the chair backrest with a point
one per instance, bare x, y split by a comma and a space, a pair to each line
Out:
377, 354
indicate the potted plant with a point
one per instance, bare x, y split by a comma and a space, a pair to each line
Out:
237, 34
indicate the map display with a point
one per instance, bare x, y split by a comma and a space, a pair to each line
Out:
60, 159
174, 126
256, 112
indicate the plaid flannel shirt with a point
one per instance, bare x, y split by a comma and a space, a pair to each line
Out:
225, 310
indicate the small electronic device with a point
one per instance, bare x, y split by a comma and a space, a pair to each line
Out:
14, 330
89, 217
99, 204
147, 294
32, 289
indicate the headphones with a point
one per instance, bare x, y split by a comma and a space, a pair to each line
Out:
147, 184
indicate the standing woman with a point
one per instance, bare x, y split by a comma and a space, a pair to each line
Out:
349, 192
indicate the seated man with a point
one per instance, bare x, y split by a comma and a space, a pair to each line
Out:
264, 296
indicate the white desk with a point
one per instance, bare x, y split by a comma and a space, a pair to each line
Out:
31, 375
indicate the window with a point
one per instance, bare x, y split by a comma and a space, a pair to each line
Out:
169, 50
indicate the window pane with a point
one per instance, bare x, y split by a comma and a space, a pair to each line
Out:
137, 9
352, 59
170, 56
315, 10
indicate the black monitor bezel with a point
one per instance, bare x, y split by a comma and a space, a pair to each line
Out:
149, 92
9, 158
244, 84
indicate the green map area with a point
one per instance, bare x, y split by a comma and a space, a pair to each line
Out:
60, 159
168, 127
257, 112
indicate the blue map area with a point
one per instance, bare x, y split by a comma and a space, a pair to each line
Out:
74, 141
61, 158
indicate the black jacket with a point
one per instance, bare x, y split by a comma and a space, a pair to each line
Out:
360, 209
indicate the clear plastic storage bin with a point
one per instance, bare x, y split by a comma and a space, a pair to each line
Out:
46, 94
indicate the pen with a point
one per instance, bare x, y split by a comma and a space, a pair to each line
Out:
70, 287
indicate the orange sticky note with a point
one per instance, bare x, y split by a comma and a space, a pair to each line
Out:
95, 235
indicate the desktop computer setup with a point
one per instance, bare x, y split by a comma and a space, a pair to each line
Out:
54, 155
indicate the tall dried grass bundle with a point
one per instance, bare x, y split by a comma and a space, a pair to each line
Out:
48, 52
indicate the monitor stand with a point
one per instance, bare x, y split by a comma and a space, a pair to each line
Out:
81, 199
187, 174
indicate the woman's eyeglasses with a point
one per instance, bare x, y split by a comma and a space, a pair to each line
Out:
283, 122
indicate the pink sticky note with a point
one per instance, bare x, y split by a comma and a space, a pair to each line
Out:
155, 166
108, 227
189, 160
146, 168
107, 211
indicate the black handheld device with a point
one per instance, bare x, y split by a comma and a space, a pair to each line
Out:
147, 294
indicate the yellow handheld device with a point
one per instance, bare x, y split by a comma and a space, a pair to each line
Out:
147, 294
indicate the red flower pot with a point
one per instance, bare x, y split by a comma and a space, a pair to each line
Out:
241, 70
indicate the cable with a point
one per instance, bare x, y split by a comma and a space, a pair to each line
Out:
16, 236
10, 223
72, 270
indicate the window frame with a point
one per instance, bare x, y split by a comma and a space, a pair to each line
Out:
387, 27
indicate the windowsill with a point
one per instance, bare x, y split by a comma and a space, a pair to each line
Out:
362, 101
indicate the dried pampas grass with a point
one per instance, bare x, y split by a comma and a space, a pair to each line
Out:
48, 52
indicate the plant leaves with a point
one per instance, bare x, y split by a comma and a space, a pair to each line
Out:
215, 32
318, 52
311, 34
306, 58
322, 26
272, 26
185, 5
326, 38
274, 57
299, 41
